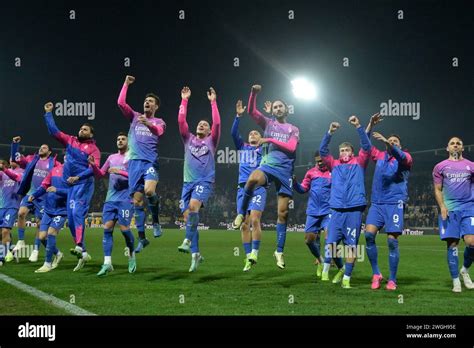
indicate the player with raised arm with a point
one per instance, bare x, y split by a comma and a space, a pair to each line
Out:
55, 191
317, 181
280, 142
454, 192
250, 155
79, 175
10, 177
388, 199
143, 137
36, 168
118, 204
347, 199
199, 170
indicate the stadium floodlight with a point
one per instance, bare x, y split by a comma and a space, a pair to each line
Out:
304, 89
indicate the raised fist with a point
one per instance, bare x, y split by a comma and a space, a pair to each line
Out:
48, 107
129, 79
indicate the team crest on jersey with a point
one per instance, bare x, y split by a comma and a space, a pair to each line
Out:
468, 167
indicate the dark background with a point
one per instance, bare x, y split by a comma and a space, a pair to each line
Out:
82, 60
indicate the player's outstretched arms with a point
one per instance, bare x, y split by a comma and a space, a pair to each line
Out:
216, 117
256, 115
52, 128
122, 99
183, 110
374, 120
239, 109
364, 139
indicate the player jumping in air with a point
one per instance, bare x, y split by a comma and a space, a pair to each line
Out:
36, 167
318, 182
454, 192
143, 137
199, 170
281, 140
79, 175
118, 205
250, 155
54, 216
10, 177
389, 196
347, 199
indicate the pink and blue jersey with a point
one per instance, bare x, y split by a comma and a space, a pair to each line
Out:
55, 203
199, 162
279, 152
390, 182
348, 188
118, 183
318, 183
142, 140
250, 156
457, 180
9, 182
77, 152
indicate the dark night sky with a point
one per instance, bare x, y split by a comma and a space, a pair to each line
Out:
82, 60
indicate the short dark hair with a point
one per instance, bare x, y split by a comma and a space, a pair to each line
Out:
396, 136
122, 134
154, 96
90, 127
317, 153
455, 137
205, 120
4, 162
49, 147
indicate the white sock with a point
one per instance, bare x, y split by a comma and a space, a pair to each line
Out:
107, 260
195, 254
255, 251
326, 267
247, 255
346, 277
84, 254
48, 264
456, 281
464, 269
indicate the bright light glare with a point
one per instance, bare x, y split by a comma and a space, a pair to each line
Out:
303, 89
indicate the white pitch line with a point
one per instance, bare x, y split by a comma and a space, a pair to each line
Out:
68, 307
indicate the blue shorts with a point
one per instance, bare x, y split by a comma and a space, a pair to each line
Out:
121, 211
315, 224
283, 180
195, 190
138, 172
36, 207
53, 221
8, 217
258, 200
457, 225
344, 226
388, 215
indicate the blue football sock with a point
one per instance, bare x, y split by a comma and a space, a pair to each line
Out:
317, 243
349, 268
154, 205
393, 258
50, 248
129, 240
468, 256
244, 204
247, 248
256, 244
314, 249
140, 221
108, 242
191, 225
453, 262
281, 237
37, 244
44, 242
21, 233
372, 252
195, 242
338, 262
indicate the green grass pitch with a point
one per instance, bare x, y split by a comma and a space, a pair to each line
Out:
163, 286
